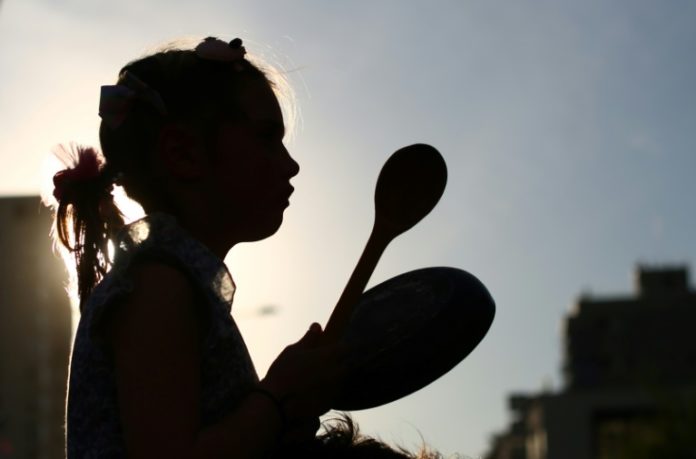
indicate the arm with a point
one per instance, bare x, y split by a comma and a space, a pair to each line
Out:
154, 335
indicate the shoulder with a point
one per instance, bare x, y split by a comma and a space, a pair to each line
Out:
151, 276
161, 305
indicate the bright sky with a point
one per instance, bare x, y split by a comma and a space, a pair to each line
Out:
569, 129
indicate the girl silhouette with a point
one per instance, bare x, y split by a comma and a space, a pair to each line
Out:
159, 368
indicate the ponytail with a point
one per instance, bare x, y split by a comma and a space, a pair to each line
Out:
86, 216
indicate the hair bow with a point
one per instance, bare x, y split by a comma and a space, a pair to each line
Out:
217, 50
116, 100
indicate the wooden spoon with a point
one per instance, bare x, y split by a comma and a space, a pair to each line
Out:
409, 186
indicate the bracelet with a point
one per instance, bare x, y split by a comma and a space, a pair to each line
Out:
277, 403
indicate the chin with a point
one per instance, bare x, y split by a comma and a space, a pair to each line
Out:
264, 229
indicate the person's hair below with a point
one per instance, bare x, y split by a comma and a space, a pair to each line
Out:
173, 85
86, 217
342, 439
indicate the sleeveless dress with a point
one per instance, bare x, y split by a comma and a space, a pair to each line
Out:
227, 373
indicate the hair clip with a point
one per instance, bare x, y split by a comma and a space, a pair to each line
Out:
116, 101
217, 50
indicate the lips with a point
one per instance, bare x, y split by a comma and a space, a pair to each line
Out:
283, 196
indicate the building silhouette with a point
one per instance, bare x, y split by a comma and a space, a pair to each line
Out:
35, 334
629, 380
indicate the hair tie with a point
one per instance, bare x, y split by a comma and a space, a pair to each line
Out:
116, 101
86, 168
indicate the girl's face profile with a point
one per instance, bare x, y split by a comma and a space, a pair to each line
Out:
252, 168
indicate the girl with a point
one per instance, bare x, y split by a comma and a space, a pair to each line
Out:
159, 368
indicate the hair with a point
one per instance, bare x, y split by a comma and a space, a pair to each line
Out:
342, 439
201, 93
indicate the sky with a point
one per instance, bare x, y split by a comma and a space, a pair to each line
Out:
568, 128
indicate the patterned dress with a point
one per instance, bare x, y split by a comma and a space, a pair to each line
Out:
227, 372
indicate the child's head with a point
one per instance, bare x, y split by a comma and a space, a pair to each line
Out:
199, 92
182, 130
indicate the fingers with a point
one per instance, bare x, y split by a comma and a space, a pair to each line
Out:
308, 374
312, 337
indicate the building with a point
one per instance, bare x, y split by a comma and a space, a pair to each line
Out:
629, 380
35, 334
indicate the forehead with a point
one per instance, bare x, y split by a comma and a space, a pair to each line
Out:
260, 103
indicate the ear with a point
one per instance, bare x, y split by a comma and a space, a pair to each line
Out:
181, 152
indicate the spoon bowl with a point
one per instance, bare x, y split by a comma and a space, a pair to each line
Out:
409, 186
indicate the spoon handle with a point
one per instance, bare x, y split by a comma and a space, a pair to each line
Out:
340, 317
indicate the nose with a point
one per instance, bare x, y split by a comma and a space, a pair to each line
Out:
292, 168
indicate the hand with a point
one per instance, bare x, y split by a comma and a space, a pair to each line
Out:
307, 375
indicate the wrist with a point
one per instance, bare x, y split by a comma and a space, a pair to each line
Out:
277, 403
